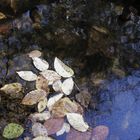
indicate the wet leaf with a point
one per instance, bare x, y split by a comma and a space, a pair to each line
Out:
100, 132
27, 75
42, 83
43, 138
53, 125
67, 86
51, 76
40, 116
101, 29
40, 64
63, 106
77, 122
53, 100
12, 130
62, 69
2, 16
76, 135
42, 105
35, 53
39, 130
65, 128
34, 97
57, 86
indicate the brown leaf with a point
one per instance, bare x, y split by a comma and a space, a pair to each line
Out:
53, 125
76, 135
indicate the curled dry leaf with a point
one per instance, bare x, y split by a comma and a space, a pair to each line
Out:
34, 97
57, 86
67, 86
77, 122
35, 53
42, 83
42, 105
62, 69
65, 128
39, 130
100, 132
76, 135
40, 116
53, 125
27, 75
43, 138
40, 64
53, 100
62, 107
51, 76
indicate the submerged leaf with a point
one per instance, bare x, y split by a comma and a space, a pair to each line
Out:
51, 76
42, 105
12, 130
67, 86
77, 122
34, 97
62, 69
2, 16
40, 64
27, 75
43, 138
35, 53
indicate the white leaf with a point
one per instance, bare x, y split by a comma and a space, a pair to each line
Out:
43, 138
34, 53
39, 130
40, 64
65, 128
77, 122
42, 105
62, 69
27, 75
67, 86
53, 100
51, 76
57, 86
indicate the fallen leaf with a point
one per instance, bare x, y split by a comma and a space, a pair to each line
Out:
77, 122
35, 53
62, 107
27, 75
12, 130
34, 97
67, 86
53, 125
57, 86
51, 76
62, 69
2, 16
101, 29
39, 130
40, 116
76, 135
65, 128
53, 100
40, 64
100, 132
42, 83
43, 138
42, 105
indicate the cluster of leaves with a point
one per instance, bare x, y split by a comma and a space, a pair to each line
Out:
57, 113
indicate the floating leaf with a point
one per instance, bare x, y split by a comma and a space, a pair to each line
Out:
63, 106
57, 86
67, 86
35, 53
77, 122
65, 128
40, 116
100, 132
62, 69
12, 130
53, 100
2, 16
40, 64
42, 105
39, 130
42, 83
27, 75
53, 125
43, 138
51, 76
34, 97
